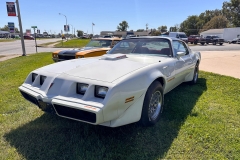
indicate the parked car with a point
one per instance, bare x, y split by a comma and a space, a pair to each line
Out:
124, 86
193, 39
214, 40
96, 47
28, 37
235, 40
180, 35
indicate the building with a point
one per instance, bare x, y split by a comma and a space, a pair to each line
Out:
125, 33
4, 34
225, 33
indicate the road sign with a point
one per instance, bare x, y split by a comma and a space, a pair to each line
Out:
34, 27
11, 27
11, 9
66, 28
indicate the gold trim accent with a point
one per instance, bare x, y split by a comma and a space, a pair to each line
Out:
171, 79
129, 99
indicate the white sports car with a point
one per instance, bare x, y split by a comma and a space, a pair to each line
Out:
124, 86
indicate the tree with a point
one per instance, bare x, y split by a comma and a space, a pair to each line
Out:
216, 22
5, 28
140, 30
231, 10
79, 33
123, 26
155, 32
174, 28
162, 28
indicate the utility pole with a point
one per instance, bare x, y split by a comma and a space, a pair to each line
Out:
21, 30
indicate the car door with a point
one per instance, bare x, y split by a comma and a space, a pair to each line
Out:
183, 64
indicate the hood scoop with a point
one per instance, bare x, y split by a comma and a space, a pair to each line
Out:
113, 57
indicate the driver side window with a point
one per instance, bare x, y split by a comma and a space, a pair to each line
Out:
180, 47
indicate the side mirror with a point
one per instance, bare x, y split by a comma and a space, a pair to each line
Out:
180, 54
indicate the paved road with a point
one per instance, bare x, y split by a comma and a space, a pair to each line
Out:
15, 47
210, 47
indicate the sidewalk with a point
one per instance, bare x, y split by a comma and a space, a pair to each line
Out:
221, 62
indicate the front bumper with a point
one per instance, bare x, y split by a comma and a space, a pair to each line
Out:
58, 60
65, 107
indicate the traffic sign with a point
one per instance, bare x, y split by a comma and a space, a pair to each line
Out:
34, 26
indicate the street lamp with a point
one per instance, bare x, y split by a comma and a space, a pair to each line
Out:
66, 20
72, 29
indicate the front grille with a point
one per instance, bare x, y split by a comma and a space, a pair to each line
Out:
29, 98
66, 57
75, 113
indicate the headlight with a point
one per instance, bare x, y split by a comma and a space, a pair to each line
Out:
81, 88
34, 76
101, 91
42, 79
79, 56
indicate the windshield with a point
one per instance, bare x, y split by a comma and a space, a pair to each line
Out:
143, 46
182, 36
99, 43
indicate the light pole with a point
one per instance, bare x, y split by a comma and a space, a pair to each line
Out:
21, 30
72, 29
66, 21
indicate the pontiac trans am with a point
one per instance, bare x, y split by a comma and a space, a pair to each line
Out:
96, 47
124, 86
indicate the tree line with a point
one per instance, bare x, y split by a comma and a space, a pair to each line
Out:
227, 17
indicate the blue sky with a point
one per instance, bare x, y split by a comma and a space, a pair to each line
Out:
105, 14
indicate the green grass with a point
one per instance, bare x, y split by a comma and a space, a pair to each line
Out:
73, 43
7, 40
49, 43
199, 121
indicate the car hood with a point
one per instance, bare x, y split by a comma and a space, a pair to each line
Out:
75, 50
106, 68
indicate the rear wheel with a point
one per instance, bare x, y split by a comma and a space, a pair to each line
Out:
195, 75
220, 43
202, 43
152, 105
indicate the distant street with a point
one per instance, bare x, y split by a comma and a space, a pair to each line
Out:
15, 47
210, 47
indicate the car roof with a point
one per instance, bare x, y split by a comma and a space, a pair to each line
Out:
149, 37
113, 38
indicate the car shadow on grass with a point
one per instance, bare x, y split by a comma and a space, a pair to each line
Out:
52, 137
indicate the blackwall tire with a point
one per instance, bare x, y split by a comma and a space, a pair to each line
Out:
195, 75
152, 105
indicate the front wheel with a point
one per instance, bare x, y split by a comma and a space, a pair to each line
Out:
195, 75
152, 105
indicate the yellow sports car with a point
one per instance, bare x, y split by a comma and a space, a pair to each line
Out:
96, 47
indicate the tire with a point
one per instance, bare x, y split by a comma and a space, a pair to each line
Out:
202, 43
207, 42
191, 42
195, 42
214, 43
195, 75
152, 105
220, 43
